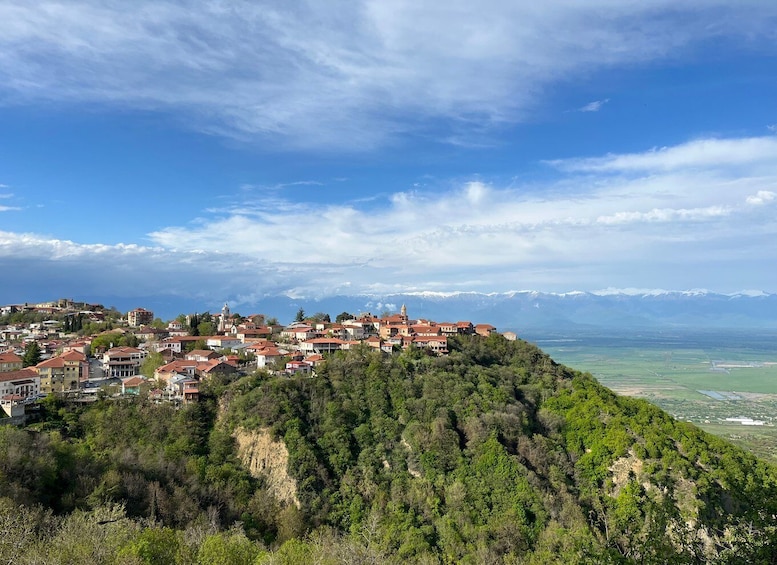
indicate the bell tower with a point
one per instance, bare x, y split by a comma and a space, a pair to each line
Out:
223, 319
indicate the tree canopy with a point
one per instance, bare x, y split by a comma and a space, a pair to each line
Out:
491, 454
31, 355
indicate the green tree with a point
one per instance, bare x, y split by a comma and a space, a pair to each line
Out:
228, 548
128, 340
342, 316
31, 354
151, 363
198, 344
300, 315
103, 342
155, 546
194, 321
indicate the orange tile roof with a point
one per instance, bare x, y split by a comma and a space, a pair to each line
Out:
10, 357
54, 362
133, 381
27, 373
73, 356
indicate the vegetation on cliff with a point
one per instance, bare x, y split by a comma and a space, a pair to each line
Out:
492, 454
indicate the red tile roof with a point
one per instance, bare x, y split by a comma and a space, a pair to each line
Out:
10, 357
73, 356
27, 373
133, 381
54, 362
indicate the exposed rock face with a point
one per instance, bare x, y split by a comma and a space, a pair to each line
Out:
269, 459
625, 467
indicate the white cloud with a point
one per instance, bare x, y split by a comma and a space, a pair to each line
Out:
701, 153
594, 106
9, 208
482, 234
664, 215
761, 197
348, 74
666, 227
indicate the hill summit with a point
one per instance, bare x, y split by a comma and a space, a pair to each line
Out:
493, 453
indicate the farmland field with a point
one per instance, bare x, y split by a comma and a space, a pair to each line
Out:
724, 382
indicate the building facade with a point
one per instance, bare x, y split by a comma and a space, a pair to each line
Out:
139, 317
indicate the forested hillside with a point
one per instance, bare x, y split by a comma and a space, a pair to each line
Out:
492, 454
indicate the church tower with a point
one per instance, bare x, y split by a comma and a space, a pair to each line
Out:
403, 312
223, 319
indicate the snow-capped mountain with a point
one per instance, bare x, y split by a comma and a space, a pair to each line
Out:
521, 310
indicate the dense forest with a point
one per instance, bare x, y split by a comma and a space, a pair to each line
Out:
491, 454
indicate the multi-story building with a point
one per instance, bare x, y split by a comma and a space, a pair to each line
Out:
63, 373
15, 388
484, 330
139, 317
19, 384
10, 361
123, 361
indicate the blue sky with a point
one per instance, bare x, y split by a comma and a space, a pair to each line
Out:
232, 150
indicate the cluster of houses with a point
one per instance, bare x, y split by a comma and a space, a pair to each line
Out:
69, 365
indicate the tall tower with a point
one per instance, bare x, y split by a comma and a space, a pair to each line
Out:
224, 317
403, 312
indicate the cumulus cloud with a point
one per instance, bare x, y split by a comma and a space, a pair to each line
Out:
343, 75
671, 227
761, 197
483, 234
137, 270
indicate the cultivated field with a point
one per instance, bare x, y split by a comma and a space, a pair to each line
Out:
704, 378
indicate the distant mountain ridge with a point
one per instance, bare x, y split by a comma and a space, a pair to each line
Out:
518, 310
612, 310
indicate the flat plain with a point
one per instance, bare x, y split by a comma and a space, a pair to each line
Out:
723, 381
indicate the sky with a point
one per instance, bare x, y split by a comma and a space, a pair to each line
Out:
228, 151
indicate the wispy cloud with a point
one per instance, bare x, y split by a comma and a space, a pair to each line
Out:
700, 153
665, 215
350, 75
6, 196
594, 106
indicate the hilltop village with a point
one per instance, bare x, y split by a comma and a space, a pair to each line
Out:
81, 351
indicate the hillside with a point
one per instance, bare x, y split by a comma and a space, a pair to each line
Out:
493, 454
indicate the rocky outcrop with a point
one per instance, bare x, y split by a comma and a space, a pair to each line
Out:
267, 459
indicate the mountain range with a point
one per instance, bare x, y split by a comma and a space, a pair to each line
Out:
518, 310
